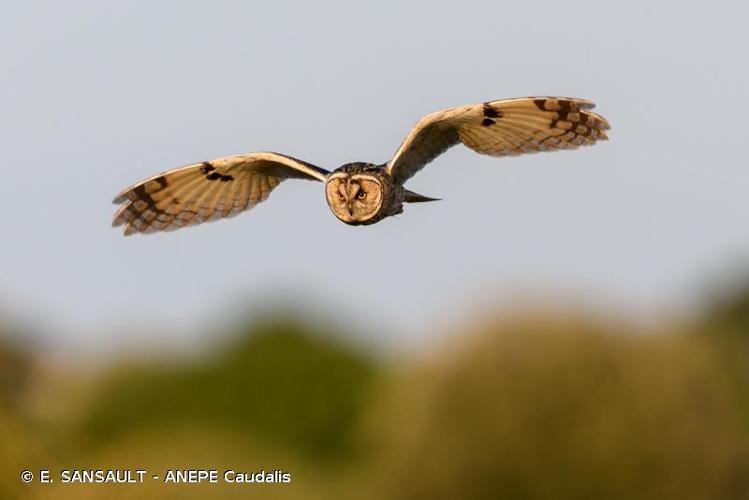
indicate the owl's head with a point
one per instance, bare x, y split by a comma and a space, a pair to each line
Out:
355, 193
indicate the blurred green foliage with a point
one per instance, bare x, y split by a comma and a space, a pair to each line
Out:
16, 443
727, 311
529, 406
15, 369
283, 381
567, 409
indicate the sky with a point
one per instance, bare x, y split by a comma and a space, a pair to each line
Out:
98, 95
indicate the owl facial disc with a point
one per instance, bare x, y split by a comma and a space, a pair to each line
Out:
354, 198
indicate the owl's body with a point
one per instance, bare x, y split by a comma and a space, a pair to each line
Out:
358, 193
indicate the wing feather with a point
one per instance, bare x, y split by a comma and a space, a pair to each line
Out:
243, 198
506, 127
206, 191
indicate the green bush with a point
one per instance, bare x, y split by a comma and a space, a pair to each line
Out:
280, 381
566, 409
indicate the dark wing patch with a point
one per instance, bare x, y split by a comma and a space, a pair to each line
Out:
490, 111
210, 173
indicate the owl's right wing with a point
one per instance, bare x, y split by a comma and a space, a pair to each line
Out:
206, 191
500, 128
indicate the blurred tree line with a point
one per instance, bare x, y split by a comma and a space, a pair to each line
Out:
282, 380
532, 405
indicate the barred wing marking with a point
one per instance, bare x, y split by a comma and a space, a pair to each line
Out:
206, 191
500, 128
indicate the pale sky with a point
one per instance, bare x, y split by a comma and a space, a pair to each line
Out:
98, 95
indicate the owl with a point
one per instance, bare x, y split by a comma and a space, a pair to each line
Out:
358, 193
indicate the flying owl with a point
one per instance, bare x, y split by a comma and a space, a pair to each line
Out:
358, 193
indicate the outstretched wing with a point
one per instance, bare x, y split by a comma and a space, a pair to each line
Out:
499, 128
206, 191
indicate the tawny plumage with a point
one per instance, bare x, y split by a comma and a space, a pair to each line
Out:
358, 193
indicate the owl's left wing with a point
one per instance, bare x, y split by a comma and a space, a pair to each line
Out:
207, 191
499, 128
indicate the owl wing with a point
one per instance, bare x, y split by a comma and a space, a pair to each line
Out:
206, 191
500, 128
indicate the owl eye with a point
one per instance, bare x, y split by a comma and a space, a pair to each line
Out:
361, 195
341, 197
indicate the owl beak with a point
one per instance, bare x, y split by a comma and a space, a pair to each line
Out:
352, 195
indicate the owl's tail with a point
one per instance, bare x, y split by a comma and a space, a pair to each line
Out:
412, 197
